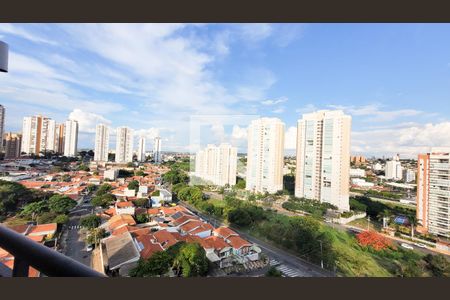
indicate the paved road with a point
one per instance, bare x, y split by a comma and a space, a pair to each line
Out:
289, 264
72, 241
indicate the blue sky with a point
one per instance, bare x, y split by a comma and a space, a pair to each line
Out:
394, 79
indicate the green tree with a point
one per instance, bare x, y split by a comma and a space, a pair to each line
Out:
46, 217
61, 204
90, 221
103, 189
191, 261
141, 202
142, 218
94, 236
133, 185
34, 208
240, 184
61, 219
91, 187
157, 265
83, 167
273, 272
438, 265
140, 173
104, 200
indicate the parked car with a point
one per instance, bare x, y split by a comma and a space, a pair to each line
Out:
420, 245
407, 246
89, 248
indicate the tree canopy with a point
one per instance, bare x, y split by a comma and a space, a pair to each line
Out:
90, 221
61, 204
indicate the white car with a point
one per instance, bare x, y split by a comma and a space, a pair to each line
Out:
407, 246
89, 248
420, 245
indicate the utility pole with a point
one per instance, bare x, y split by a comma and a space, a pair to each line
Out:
321, 254
368, 223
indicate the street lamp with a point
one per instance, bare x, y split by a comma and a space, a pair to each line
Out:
3, 57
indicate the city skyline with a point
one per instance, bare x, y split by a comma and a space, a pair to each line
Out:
273, 70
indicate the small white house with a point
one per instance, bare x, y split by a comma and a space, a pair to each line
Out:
164, 196
111, 174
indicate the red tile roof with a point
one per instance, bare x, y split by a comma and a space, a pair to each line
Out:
224, 232
149, 247
215, 242
237, 242
165, 238
124, 204
43, 229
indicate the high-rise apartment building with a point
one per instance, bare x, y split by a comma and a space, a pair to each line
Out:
124, 145
323, 158
101, 142
38, 135
59, 138
217, 164
157, 150
2, 124
70, 138
433, 192
13, 142
141, 149
265, 155
394, 169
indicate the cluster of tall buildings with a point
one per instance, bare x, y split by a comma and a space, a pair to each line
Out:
217, 164
41, 134
433, 192
10, 142
323, 157
124, 145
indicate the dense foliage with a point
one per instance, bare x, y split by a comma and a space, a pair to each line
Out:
375, 209
313, 207
187, 260
90, 221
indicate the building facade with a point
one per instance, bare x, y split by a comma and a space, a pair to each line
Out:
217, 164
124, 145
101, 143
13, 143
394, 169
157, 150
265, 155
70, 138
2, 124
59, 138
141, 149
323, 158
433, 192
38, 135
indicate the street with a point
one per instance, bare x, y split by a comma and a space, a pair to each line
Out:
72, 242
290, 265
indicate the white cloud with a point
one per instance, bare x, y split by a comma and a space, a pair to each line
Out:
375, 112
255, 32
274, 101
149, 133
87, 121
20, 32
306, 109
239, 133
290, 138
278, 110
408, 141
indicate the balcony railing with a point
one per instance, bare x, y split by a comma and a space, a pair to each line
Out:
27, 253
